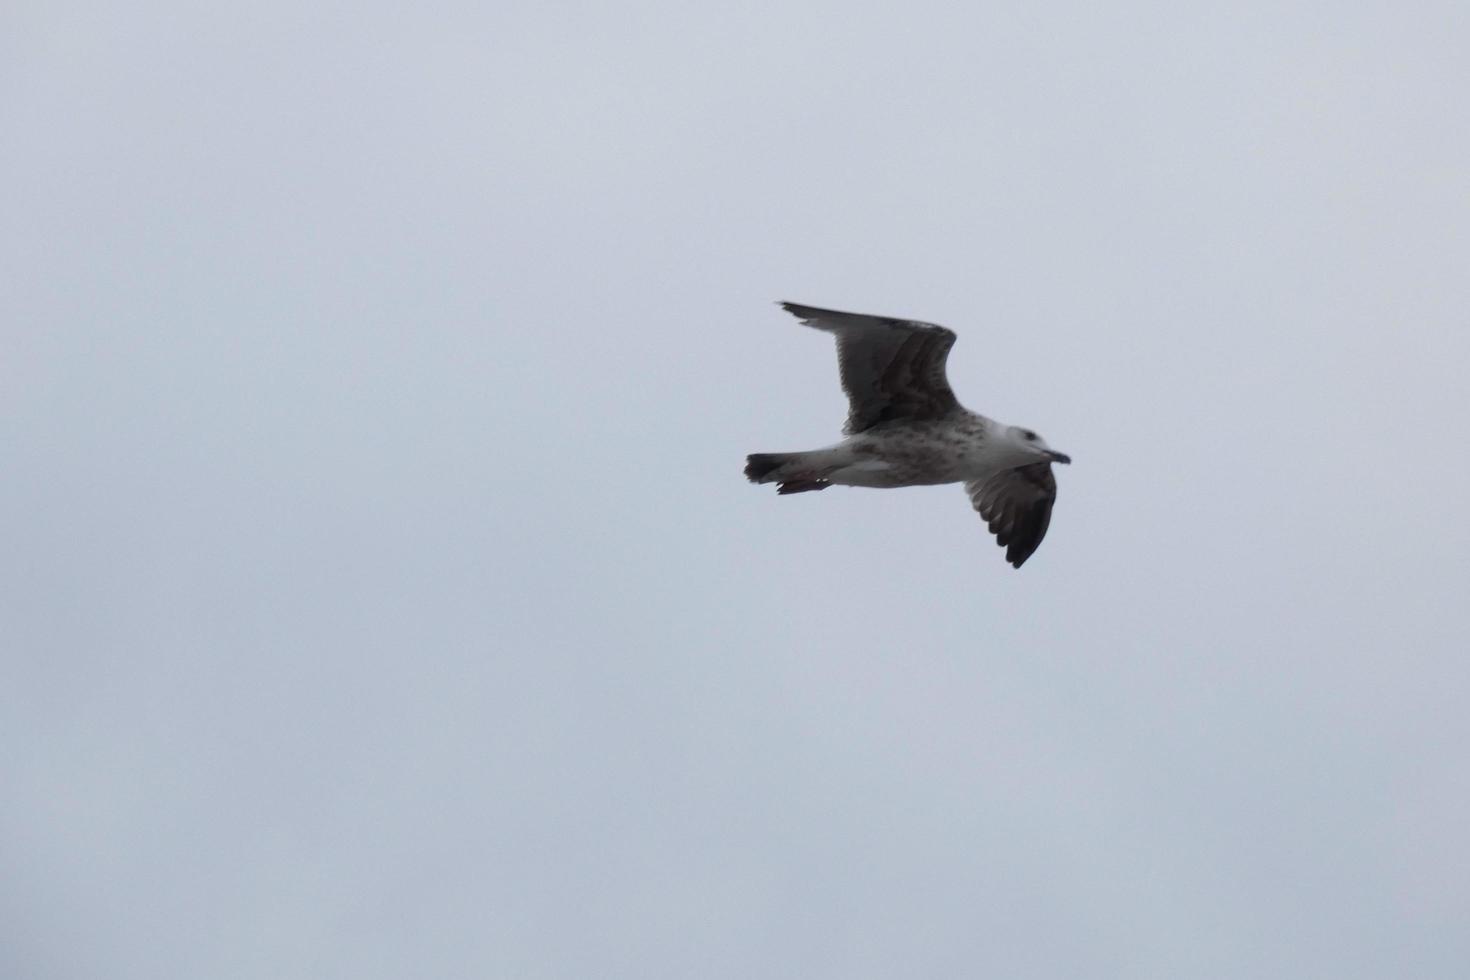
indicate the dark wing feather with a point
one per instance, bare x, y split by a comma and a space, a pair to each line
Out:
1017, 505
891, 369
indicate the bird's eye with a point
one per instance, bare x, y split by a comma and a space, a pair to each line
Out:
1030, 436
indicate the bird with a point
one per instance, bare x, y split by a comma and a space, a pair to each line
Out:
905, 428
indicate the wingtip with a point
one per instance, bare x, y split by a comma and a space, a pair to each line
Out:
808, 314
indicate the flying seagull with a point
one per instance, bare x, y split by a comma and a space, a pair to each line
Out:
905, 428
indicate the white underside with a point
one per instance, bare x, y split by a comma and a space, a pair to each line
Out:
863, 473
858, 462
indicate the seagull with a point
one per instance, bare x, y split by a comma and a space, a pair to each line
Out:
905, 428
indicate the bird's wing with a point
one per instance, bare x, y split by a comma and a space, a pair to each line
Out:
891, 369
1017, 506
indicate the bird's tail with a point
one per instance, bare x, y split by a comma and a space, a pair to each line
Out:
760, 466
791, 470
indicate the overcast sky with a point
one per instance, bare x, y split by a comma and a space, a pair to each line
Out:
380, 595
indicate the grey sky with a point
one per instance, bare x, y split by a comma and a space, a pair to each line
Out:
382, 597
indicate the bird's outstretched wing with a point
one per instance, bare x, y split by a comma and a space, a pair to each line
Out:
1017, 505
891, 369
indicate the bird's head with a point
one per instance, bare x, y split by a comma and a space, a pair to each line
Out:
1028, 447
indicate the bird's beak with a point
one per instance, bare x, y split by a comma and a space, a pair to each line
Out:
1057, 457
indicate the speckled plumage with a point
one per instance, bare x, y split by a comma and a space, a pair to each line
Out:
905, 427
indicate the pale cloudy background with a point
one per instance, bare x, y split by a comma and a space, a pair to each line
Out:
381, 596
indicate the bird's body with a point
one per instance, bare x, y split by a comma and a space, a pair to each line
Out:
906, 428
906, 454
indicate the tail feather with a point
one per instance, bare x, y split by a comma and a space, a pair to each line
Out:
784, 469
760, 466
801, 486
